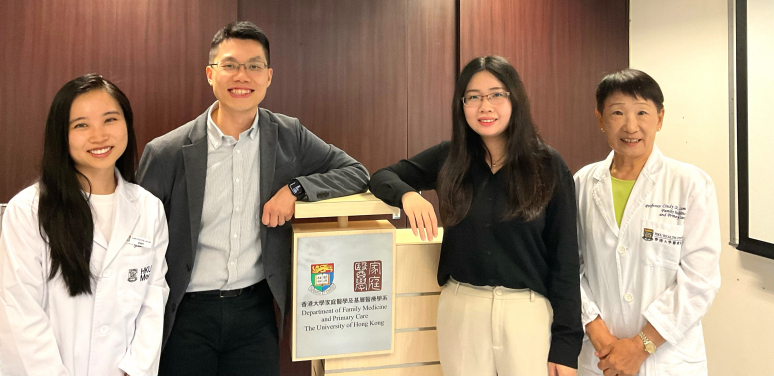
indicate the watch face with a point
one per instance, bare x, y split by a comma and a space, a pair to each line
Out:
650, 347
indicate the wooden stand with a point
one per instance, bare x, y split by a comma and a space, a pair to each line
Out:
416, 304
343, 280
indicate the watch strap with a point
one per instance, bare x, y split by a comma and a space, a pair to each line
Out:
645, 342
297, 189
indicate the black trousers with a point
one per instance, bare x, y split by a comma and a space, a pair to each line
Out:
214, 336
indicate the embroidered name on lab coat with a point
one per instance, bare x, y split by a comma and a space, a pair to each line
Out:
670, 211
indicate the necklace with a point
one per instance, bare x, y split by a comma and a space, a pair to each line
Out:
494, 163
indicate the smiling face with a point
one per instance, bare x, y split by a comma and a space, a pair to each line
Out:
486, 119
630, 124
239, 91
97, 133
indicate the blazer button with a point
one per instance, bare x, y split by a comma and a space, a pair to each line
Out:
189, 267
174, 307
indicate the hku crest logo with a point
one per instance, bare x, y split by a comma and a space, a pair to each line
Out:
132, 275
144, 274
647, 234
322, 279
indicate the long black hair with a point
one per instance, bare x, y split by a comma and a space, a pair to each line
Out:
528, 167
64, 215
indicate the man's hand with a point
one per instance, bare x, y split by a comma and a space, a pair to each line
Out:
622, 357
560, 370
421, 215
279, 209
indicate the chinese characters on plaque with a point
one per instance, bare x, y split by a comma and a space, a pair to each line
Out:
368, 276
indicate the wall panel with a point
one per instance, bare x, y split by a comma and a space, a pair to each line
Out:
432, 72
155, 51
432, 48
561, 49
340, 67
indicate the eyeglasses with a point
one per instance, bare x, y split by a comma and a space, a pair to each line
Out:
495, 99
232, 67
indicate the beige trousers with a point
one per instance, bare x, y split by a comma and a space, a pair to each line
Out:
491, 331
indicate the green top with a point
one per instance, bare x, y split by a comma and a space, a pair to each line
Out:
621, 191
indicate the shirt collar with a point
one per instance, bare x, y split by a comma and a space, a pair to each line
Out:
216, 136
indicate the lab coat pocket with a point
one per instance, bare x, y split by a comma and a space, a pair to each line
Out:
687, 357
661, 244
136, 272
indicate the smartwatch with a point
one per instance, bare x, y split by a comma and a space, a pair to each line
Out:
297, 189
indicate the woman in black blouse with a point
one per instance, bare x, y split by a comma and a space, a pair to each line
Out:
509, 257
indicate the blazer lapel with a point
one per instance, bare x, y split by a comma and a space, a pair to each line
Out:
124, 220
268, 154
195, 164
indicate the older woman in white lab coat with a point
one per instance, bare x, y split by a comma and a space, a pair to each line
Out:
82, 266
649, 242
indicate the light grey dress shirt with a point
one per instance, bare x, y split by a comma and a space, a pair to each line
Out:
228, 253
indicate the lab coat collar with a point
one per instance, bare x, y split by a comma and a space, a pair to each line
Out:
603, 190
652, 166
125, 217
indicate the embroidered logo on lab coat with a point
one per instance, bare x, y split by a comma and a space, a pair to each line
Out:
660, 237
145, 273
647, 234
132, 275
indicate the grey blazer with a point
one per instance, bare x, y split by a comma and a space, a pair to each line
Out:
174, 168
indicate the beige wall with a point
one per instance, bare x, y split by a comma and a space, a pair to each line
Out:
684, 46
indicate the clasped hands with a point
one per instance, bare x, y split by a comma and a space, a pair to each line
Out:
621, 357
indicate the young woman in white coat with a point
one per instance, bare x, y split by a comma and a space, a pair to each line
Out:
82, 287
649, 241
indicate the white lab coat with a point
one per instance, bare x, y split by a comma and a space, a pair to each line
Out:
118, 328
661, 266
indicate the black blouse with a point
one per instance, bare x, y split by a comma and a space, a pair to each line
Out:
483, 250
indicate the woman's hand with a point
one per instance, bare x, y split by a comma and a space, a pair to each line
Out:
622, 357
560, 370
599, 334
421, 216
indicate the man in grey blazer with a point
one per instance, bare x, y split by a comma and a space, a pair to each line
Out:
229, 181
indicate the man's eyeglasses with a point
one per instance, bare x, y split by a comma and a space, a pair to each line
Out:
233, 66
495, 99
